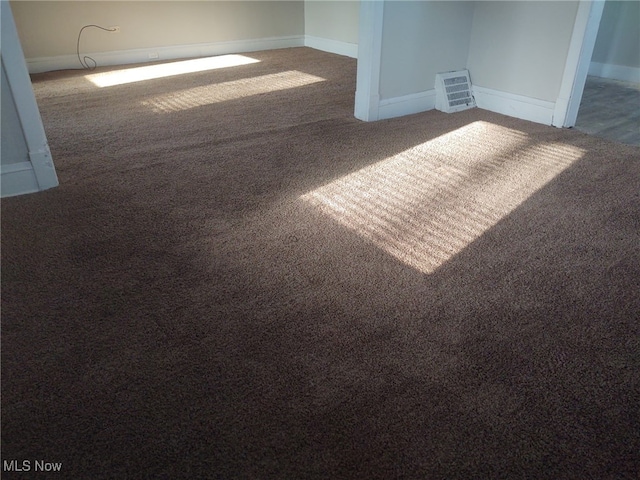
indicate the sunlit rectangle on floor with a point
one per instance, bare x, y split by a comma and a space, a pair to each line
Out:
426, 204
220, 92
150, 72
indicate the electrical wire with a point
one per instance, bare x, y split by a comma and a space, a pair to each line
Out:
84, 61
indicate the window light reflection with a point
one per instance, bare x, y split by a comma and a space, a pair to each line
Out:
426, 204
149, 72
220, 92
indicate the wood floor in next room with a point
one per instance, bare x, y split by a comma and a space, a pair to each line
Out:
610, 109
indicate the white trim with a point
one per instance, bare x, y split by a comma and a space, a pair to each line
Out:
43, 167
583, 39
615, 72
19, 87
18, 179
518, 106
407, 104
154, 54
332, 46
367, 99
15, 167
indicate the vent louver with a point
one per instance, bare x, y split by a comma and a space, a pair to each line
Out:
453, 91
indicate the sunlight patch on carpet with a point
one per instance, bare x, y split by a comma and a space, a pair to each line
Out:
426, 204
220, 92
150, 72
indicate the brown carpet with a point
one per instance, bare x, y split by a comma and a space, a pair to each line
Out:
237, 279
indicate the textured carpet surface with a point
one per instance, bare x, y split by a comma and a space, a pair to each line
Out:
238, 279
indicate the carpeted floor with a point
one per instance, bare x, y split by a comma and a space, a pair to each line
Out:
237, 279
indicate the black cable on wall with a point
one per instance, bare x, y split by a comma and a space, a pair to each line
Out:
84, 61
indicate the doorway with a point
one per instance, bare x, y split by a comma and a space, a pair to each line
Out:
606, 93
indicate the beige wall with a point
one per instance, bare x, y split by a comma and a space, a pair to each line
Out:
50, 28
618, 41
334, 20
521, 47
419, 40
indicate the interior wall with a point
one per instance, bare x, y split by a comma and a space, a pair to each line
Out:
334, 20
50, 28
521, 47
618, 40
420, 39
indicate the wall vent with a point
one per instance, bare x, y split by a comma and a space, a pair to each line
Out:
453, 91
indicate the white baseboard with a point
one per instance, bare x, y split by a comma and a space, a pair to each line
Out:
154, 54
18, 179
331, 46
615, 72
518, 106
407, 104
